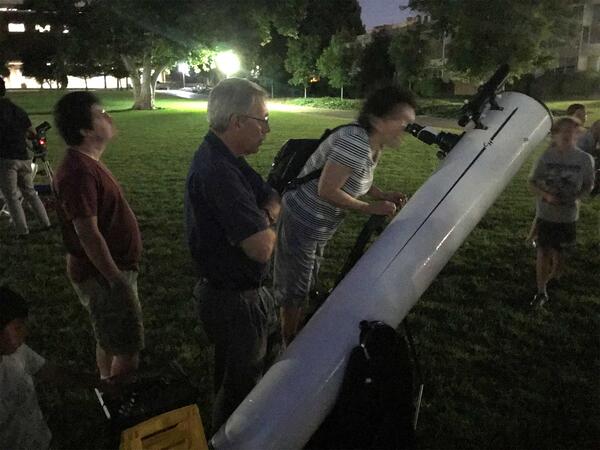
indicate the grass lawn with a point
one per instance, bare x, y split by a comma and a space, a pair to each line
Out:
497, 374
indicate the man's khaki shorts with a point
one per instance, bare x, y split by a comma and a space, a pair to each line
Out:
118, 327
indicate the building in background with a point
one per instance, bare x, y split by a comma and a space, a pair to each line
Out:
585, 53
16, 26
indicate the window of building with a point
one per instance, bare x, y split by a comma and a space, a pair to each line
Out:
585, 35
595, 27
42, 29
567, 64
16, 28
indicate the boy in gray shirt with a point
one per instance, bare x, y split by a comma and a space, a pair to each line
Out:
561, 176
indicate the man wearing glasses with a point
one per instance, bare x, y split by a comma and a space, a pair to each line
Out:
230, 212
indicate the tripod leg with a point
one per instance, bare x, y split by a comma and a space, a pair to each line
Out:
413, 351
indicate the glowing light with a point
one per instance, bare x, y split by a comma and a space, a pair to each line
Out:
228, 62
183, 68
42, 29
16, 28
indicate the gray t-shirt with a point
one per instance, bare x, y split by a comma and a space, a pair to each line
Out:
588, 144
349, 146
567, 175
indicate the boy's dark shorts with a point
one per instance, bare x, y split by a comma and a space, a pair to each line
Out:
556, 235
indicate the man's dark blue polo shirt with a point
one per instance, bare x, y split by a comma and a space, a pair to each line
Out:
223, 197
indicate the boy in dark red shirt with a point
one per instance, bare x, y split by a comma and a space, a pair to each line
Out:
101, 234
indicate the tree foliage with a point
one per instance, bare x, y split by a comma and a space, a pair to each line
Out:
376, 68
484, 34
46, 56
339, 62
327, 18
42, 61
323, 19
271, 61
410, 52
301, 60
148, 36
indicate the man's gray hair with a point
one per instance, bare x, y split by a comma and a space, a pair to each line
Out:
232, 96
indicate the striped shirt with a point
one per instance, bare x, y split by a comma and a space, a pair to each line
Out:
349, 146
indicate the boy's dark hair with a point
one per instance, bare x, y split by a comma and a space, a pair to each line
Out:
73, 113
2, 87
573, 108
562, 123
382, 102
12, 306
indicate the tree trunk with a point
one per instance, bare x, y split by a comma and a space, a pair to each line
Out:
342, 92
304, 91
85, 81
134, 74
143, 81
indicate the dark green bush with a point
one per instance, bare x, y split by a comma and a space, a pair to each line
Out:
327, 103
432, 87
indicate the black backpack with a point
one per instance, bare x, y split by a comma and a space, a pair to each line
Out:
374, 408
290, 160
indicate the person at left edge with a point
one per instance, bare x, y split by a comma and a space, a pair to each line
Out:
230, 214
16, 175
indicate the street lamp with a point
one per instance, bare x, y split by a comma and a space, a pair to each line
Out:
227, 62
184, 68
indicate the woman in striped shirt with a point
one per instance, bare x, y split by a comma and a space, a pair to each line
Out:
312, 212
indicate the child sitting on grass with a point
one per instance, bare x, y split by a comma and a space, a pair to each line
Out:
561, 176
22, 426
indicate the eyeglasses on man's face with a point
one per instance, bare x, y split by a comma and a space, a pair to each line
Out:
100, 112
264, 121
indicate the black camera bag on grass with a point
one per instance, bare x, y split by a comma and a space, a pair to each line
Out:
290, 160
374, 408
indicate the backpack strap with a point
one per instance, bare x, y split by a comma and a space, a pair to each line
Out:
293, 184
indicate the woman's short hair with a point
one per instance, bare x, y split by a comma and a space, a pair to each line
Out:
73, 113
231, 96
382, 102
12, 306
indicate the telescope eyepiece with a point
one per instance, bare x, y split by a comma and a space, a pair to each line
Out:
445, 141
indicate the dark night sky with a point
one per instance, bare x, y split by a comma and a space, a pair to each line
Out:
379, 12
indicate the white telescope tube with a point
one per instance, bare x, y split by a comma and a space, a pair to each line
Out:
290, 402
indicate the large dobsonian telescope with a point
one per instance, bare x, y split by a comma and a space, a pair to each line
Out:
296, 394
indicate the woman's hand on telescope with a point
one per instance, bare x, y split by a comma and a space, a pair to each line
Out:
398, 198
381, 208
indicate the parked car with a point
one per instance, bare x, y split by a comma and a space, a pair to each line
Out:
160, 86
